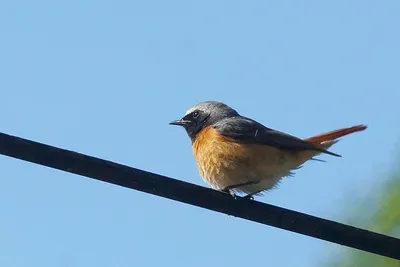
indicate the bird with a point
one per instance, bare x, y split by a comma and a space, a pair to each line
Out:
238, 155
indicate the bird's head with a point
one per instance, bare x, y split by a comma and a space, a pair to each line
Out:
202, 115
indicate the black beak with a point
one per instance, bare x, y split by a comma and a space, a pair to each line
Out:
180, 122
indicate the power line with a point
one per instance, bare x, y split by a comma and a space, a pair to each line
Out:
199, 196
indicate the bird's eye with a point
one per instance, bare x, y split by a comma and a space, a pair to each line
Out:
195, 114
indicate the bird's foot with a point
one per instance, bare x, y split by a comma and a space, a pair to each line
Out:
248, 197
230, 192
230, 187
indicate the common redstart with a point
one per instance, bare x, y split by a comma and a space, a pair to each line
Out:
236, 154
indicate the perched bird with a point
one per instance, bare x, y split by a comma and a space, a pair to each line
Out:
236, 154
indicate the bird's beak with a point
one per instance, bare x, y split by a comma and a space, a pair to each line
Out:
180, 122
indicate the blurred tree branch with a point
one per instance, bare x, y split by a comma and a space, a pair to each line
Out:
382, 215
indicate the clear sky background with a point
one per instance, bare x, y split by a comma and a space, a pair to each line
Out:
105, 77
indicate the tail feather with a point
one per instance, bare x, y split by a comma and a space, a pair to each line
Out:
326, 140
333, 135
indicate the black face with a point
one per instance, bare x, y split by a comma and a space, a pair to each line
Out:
193, 122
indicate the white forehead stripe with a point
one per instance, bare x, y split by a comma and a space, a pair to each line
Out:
190, 110
211, 106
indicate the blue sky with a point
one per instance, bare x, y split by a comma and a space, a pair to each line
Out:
105, 77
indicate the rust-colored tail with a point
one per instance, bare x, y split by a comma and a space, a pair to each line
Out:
326, 140
333, 135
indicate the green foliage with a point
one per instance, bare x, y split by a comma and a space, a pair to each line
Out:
382, 216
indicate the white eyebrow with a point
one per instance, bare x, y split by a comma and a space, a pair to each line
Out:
190, 110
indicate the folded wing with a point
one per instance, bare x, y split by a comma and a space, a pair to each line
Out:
245, 130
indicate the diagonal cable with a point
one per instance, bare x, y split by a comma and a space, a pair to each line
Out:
199, 196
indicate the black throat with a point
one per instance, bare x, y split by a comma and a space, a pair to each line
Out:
193, 129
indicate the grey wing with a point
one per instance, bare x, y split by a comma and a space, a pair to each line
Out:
246, 130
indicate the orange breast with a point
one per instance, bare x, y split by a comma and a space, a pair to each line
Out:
222, 162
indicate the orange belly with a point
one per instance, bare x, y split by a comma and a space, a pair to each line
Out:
222, 163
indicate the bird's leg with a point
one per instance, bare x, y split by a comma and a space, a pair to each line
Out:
250, 196
228, 189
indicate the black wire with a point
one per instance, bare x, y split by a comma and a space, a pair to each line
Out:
199, 196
